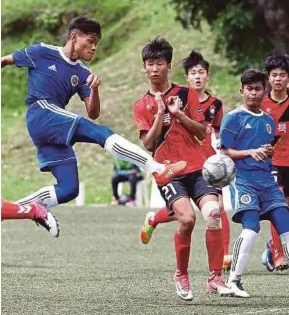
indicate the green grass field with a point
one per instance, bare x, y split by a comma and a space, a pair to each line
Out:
99, 266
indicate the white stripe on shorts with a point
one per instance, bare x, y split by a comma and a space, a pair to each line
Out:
56, 109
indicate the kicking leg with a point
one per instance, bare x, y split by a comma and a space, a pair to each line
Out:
121, 148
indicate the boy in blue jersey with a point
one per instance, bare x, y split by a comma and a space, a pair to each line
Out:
246, 136
55, 74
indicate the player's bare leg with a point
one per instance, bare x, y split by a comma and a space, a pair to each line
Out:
226, 235
186, 218
214, 241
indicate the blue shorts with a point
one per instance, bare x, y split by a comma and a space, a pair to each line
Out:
255, 190
51, 129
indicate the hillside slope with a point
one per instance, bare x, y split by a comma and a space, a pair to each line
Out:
119, 65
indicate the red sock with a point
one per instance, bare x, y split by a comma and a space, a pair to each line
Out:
277, 249
214, 242
182, 249
11, 210
226, 231
162, 216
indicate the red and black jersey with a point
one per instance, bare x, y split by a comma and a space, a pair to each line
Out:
213, 111
175, 142
280, 114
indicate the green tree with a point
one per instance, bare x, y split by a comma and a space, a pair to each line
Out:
247, 30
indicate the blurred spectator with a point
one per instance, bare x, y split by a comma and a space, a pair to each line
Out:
125, 172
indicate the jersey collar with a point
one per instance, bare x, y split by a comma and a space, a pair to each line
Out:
65, 58
249, 112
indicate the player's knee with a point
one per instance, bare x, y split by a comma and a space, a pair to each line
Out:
188, 221
68, 193
254, 226
212, 216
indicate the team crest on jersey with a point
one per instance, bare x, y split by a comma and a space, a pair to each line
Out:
74, 80
212, 109
268, 128
149, 107
246, 199
282, 128
268, 110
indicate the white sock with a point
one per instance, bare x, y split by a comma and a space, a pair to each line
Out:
46, 194
285, 244
125, 150
241, 251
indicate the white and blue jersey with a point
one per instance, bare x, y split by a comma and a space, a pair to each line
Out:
51, 75
52, 80
254, 187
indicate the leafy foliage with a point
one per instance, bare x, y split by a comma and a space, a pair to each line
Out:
247, 31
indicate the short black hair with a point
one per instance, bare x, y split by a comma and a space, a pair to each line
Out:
85, 25
158, 48
252, 76
279, 61
195, 58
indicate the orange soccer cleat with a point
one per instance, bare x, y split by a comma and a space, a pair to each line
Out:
171, 171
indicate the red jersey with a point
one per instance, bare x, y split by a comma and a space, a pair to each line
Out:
213, 112
175, 142
280, 114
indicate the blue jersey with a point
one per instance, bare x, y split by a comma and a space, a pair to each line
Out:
243, 130
51, 75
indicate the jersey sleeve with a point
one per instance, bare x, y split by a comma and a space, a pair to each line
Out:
141, 122
195, 111
229, 130
219, 116
83, 90
27, 57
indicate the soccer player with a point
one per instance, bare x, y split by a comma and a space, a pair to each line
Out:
55, 74
170, 120
276, 104
246, 136
197, 71
35, 211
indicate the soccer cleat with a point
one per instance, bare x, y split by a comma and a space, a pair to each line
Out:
216, 285
237, 288
183, 287
227, 263
280, 264
171, 171
147, 229
46, 219
267, 260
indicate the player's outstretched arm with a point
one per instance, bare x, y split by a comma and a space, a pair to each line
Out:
6, 60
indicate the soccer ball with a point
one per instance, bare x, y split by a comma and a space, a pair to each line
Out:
219, 170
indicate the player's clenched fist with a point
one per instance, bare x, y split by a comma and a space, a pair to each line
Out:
258, 154
93, 81
160, 102
174, 104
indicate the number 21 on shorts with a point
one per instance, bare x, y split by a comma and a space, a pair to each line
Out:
169, 191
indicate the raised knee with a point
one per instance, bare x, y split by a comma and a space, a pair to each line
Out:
212, 216
71, 193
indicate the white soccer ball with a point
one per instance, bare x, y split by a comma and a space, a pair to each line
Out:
219, 170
